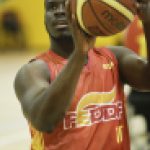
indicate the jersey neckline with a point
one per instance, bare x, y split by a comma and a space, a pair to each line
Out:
61, 60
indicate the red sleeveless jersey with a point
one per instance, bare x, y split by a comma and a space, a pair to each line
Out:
96, 119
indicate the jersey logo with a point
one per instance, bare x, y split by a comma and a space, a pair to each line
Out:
108, 66
93, 108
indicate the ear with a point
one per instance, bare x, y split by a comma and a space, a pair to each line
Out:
45, 23
45, 19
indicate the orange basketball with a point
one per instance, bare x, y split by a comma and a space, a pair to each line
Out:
104, 17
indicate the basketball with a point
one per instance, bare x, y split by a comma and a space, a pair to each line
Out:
104, 17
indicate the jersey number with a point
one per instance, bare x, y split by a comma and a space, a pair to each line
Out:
119, 134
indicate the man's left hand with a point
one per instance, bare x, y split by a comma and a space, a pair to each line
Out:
143, 10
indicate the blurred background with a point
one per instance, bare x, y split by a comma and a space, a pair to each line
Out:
22, 37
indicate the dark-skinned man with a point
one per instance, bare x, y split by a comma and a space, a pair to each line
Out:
72, 95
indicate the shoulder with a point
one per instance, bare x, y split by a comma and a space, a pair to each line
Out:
37, 67
31, 76
117, 51
120, 51
34, 71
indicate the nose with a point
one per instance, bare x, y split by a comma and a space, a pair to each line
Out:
60, 11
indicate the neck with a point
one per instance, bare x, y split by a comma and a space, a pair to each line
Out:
62, 47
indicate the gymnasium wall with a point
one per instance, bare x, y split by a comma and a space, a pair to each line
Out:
31, 16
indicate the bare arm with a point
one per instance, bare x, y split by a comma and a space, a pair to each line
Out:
133, 69
45, 104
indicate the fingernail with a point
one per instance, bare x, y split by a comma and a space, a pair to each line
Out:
137, 4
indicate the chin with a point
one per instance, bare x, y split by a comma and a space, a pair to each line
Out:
64, 33
63, 36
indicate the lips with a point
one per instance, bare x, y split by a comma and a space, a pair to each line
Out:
61, 24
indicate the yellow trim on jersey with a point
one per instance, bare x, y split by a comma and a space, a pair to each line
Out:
122, 9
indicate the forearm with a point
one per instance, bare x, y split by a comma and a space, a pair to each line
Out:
56, 99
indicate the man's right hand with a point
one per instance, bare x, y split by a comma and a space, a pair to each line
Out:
83, 42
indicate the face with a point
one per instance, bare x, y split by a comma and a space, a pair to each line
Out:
56, 20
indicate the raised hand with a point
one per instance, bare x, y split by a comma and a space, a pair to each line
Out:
83, 42
143, 10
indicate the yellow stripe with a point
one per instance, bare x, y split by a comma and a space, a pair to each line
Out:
79, 14
120, 8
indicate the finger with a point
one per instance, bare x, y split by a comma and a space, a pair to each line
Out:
74, 21
142, 1
75, 24
140, 6
68, 12
137, 5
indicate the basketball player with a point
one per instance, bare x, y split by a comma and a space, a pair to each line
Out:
72, 95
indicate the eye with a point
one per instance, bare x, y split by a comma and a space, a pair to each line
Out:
51, 7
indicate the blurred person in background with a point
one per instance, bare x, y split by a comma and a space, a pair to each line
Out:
140, 101
72, 95
13, 33
138, 133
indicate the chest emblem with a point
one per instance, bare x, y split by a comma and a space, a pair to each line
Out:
93, 108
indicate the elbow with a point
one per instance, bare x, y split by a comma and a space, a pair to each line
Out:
41, 125
47, 126
44, 128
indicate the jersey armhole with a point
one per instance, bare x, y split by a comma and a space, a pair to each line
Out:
110, 54
114, 59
